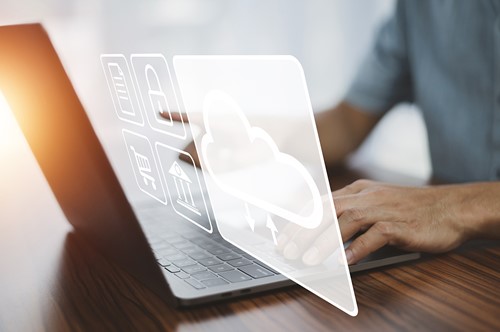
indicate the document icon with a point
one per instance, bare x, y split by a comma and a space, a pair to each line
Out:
122, 88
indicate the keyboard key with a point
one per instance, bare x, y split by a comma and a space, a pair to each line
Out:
216, 237
237, 250
190, 250
218, 251
214, 282
247, 256
204, 275
175, 257
167, 236
208, 245
197, 255
175, 240
190, 235
194, 269
200, 239
256, 271
154, 239
172, 269
160, 245
234, 276
167, 252
163, 262
220, 268
268, 268
229, 256
239, 262
183, 245
209, 261
184, 262
182, 275
195, 283
226, 244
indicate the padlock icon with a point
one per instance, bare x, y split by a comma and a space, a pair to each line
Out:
157, 98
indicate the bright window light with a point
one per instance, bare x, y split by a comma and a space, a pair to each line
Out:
7, 123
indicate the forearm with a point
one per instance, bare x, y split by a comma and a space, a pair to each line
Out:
477, 206
341, 130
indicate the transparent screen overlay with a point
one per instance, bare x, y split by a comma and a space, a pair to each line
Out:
261, 159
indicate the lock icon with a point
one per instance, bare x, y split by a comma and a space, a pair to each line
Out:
157, 97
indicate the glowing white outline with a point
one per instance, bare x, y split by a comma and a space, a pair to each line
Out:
119, 114
354, 311
157, 144
255, 133
156, 122
154, 160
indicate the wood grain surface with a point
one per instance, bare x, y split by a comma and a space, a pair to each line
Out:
52, 280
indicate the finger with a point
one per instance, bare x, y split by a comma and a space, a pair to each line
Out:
178, 117
347, 202
326, 244
291, 228
191, 150
355, 220
286, 235
374, 238
194, 118
353, 188
302, 240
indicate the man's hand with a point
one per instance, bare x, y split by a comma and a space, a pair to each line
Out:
429, 219
413, 218
190, 148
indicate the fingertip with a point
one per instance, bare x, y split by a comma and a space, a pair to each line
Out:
174, 116
282, 241
311, 257
349, 256
291, 251
165, 115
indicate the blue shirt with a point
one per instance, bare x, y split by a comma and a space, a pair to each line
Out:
444, 56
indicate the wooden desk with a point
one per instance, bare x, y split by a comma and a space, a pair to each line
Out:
52, 280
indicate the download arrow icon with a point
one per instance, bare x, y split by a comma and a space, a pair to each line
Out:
248, 217
270, 224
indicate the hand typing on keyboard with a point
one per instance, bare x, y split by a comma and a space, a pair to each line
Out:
429, 219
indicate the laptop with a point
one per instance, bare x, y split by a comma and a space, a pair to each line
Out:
182, 264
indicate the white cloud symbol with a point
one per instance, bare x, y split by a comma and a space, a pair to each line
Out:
245, 162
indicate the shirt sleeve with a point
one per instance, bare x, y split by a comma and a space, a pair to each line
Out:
384, 78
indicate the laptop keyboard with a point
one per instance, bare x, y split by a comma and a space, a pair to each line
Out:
204, 261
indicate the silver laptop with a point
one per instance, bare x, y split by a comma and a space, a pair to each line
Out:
178, 261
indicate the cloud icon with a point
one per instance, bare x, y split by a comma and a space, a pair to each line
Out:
245, 162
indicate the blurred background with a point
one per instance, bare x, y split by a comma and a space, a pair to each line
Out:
329, 37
